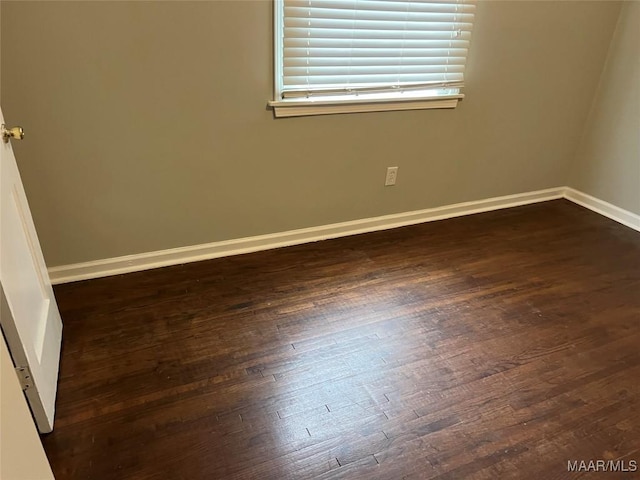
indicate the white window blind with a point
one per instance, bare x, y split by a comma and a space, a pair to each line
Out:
373, 48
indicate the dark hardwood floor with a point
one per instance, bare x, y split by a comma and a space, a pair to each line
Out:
494, 346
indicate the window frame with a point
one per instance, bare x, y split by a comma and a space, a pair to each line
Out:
357, 103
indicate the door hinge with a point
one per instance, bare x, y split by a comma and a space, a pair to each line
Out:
24, 375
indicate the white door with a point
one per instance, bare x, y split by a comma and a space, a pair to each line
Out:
30, 319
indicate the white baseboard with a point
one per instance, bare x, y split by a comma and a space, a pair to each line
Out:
618, 214
175, 256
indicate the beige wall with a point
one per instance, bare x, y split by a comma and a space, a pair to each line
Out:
607, 163
148, 129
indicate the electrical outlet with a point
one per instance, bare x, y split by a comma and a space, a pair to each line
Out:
392, 175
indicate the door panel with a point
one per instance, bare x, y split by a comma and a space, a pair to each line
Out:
32, 324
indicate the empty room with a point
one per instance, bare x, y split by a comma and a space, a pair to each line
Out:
320, 239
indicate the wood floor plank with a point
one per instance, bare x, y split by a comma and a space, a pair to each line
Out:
498, 345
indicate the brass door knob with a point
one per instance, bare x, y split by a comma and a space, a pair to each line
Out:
14, 132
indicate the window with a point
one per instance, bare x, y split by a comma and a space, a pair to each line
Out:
338, 56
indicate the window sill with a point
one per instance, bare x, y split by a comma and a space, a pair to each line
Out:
305, 107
